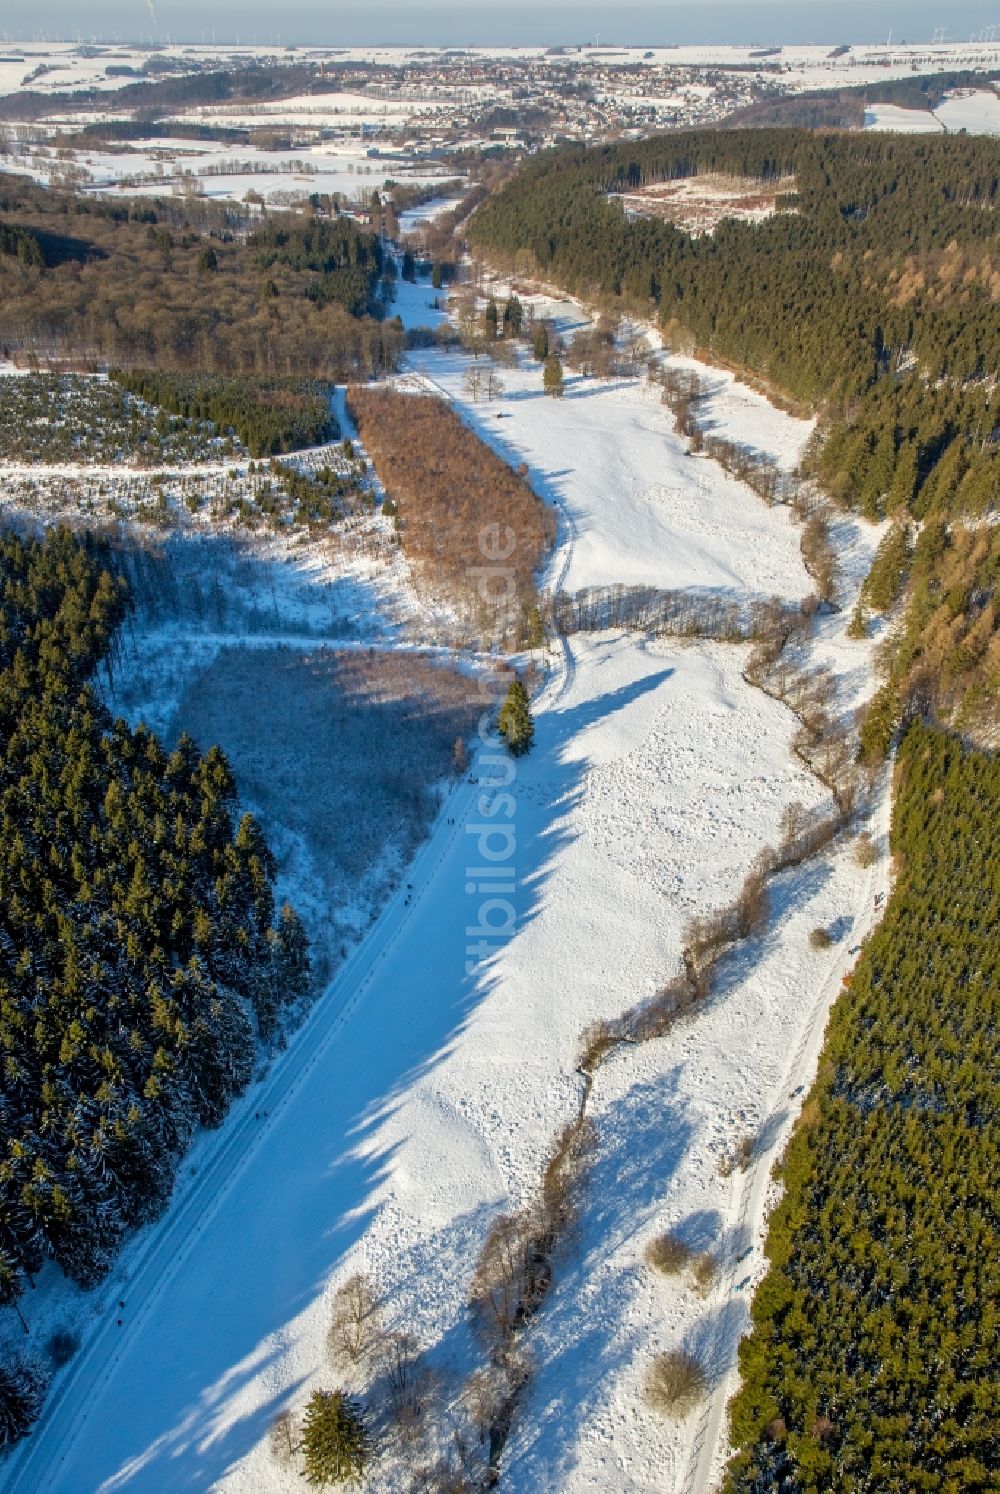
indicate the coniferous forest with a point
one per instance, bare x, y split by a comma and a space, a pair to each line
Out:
141, 955
268, 415
870, 296
874, 1361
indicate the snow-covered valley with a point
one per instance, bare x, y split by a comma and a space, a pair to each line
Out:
420, 1096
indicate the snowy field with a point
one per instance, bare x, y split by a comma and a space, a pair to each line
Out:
422, 1094
975, 113
159, 167
640, 510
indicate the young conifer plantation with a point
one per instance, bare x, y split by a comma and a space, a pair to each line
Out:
873, 1363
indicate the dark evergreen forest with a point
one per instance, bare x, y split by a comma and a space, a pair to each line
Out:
141, 954
270, 416
874, 1364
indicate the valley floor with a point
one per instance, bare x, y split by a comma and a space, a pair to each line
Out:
421, 1095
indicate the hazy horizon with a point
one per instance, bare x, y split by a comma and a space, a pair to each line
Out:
518, 23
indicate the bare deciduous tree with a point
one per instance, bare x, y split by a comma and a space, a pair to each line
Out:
408, 1380
499, 1278
283, 1439
355, 1323
472, 381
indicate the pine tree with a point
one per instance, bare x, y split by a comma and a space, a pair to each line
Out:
22, 1393
534, 629
540, 343
409, 271
335, 1443
492, 318
515, 720
513, 317
552, 377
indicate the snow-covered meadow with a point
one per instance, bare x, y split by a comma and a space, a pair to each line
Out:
972, 111
422, 1094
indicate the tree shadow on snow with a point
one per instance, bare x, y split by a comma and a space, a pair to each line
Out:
585, 1334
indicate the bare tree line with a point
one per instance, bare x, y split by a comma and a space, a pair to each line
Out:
824, 741
682, 391
650, 609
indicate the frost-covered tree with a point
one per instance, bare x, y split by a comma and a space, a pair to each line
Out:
22, 1393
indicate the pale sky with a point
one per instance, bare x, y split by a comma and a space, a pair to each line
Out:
505, 22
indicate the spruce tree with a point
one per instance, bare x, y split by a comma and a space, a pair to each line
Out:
334, 1439
540, 343
292, 967
515, 722
552, 377
22, 1393
534, 629
513, 317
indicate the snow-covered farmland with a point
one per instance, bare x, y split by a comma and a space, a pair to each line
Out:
972, 111
903, 121
421, 1095
161, 166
